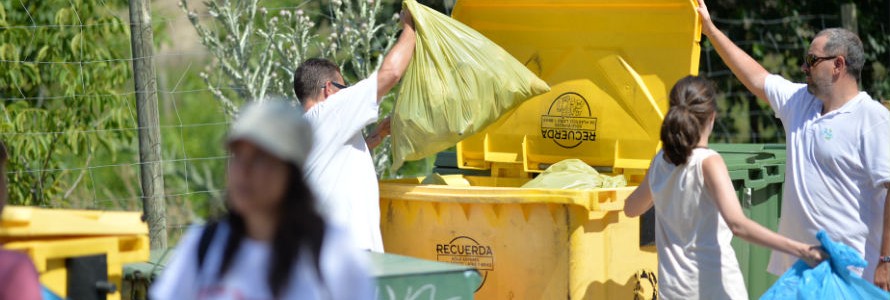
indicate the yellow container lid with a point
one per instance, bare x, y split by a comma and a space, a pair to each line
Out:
22, 222
610, 65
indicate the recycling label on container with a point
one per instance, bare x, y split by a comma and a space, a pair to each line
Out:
569, 121
466, 251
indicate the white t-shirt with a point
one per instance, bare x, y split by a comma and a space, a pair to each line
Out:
342, 265
837, 165
340, 167
695, 258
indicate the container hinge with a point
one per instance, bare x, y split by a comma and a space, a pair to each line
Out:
747, 197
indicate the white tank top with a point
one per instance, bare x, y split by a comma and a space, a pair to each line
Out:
695, 258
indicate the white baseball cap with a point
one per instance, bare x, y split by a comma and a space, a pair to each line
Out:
277, 127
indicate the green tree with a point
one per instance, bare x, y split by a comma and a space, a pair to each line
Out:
59, 92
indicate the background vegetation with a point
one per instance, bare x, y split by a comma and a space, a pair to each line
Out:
67, 100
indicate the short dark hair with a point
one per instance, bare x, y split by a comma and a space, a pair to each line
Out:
847, 44
311, 75
4, 194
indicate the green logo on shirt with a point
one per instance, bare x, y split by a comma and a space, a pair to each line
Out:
827, 134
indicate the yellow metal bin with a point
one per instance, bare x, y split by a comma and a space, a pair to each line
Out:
79, 253
610, 65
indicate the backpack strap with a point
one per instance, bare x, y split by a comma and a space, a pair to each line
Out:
204, 242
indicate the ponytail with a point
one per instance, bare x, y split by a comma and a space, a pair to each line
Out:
680, 133
692, 102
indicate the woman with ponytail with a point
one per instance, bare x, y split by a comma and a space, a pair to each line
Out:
272, 243
697, 210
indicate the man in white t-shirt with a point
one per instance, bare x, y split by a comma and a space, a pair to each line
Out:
838, 140
340, 167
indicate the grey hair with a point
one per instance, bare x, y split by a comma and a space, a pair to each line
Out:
847, 44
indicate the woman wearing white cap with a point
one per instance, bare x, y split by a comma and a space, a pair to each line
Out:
272, 244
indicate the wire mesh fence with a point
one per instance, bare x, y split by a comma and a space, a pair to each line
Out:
69, 114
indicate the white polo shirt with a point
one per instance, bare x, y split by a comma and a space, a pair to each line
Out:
837, 165
340, 167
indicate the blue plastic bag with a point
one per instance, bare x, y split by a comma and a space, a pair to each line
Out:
831, 279
47, 294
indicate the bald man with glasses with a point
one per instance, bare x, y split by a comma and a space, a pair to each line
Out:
838, 138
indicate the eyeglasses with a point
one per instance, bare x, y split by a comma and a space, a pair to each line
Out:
339, 86
811, 59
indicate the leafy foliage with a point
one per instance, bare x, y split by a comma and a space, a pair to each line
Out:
256, 49
60, 91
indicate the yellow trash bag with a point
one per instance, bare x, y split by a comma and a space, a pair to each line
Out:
574, 174
458, 83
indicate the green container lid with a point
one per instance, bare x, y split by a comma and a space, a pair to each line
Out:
403, 277
754, 165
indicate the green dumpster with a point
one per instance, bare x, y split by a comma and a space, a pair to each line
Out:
138, 276
397, 277
758, 174
402, 277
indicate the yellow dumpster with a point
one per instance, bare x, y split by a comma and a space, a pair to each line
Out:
79, 253
610, 65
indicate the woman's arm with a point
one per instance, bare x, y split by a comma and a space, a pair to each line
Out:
716, 178
640, 200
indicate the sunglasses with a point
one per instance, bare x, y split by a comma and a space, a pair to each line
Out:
339, 86
811, 59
